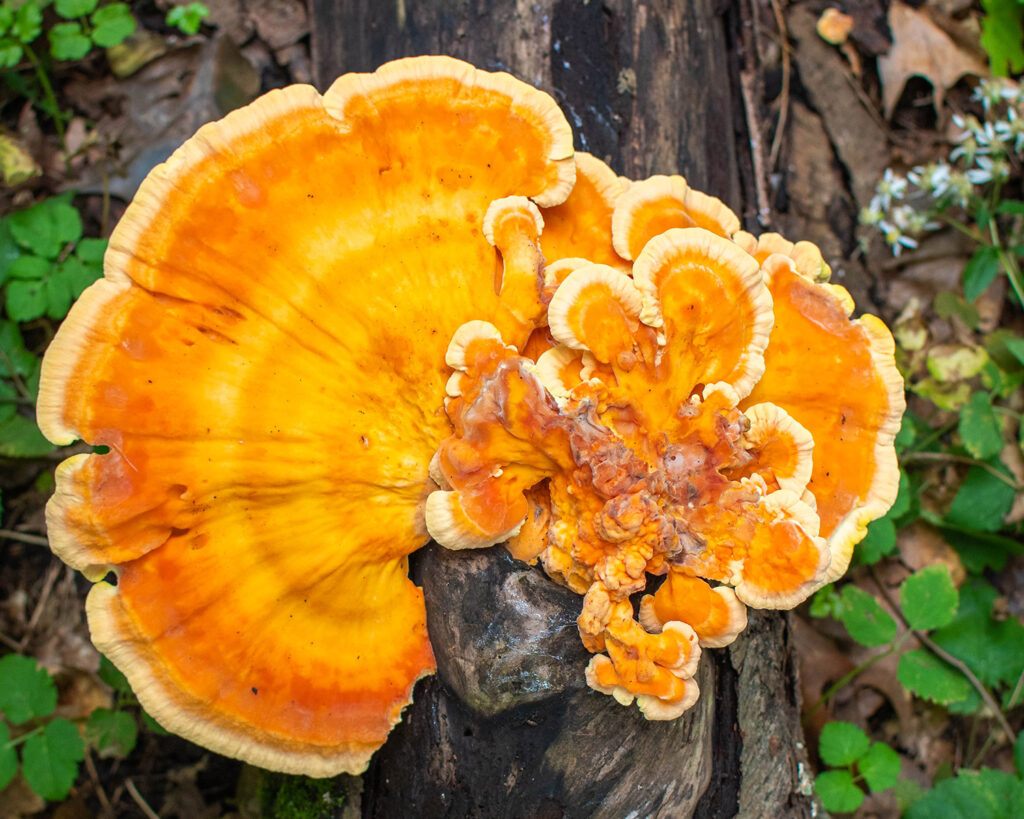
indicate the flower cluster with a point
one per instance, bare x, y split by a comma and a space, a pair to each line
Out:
985, 154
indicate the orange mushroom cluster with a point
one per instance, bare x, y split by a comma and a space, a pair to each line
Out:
333, 326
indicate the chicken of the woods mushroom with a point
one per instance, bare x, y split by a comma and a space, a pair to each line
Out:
333, 326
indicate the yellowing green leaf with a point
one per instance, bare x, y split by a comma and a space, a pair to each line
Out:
979, 427
928, 598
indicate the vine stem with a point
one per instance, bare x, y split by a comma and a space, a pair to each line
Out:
909, 457
957, 663
1007, 260
850, 675
51, 98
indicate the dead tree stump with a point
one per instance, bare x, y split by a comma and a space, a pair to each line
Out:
508, 728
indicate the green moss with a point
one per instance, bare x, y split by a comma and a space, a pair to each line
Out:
299, 797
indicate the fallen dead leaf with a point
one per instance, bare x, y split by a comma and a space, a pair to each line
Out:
921, 48
16, 162
921, 545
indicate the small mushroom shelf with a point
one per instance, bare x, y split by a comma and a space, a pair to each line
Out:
609, 376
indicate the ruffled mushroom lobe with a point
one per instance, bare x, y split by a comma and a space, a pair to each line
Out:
264, 359
632, 424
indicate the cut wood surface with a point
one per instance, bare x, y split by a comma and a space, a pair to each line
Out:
508, 727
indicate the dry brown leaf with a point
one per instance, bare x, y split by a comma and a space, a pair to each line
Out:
921, 546
921, 49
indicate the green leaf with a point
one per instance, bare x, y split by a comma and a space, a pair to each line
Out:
929, 599
67, 42
153, 726
1016, 346
46, 227
58, 296
980, 272
77, 275
837, 791
30, 267
8, 758
21, 438
9, 250
8, 401
67, 222
992, 649
983, 500
10, 53
908, 431
842, 744
91, 251
187, 19
26, 300
948, 304
113, 733
14, 358
1013, 206
112, 676
26, 691
1018, 756
880, 767
50, 760
925, 675
878, 542
112, 25
28, 22
1002, 36
904, 498
6, 18
868, 623
70, 9
985, 794
977, 550
979, 427
907, 792
826, 602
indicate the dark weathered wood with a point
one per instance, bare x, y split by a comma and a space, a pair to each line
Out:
508, 728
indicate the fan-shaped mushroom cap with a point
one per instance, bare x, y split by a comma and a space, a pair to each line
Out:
715, 614
633, 421
837, 378
265, 361
582, 225
655, 205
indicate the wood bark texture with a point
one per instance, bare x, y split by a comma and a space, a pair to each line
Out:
508, 727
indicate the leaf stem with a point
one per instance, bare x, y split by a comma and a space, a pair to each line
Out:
962, 459
51, 98
850, 675
21, 537
940, 652
14, 743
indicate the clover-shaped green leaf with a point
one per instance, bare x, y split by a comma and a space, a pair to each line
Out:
67, 42
26, 691
112, 24
50, 760
929, 599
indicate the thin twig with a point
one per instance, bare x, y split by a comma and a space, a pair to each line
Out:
909, 457
44, 596
23, 537
101, 794
780, 21
137, 798
940, 652
7, 641
1016, 691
